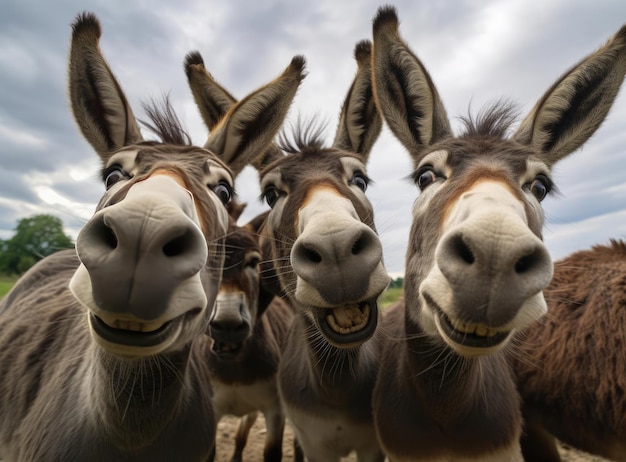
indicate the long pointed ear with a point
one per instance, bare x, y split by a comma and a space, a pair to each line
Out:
99, 105
213, 100
575, 106
360, 122
249, 127
403, 89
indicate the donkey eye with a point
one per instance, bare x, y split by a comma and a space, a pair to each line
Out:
271, 195
360, 180
113, 176
224, 191
425, 177
540, 187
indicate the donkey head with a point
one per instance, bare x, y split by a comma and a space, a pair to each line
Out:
320, 231
241, 299
325, 250
151, 256
476, 264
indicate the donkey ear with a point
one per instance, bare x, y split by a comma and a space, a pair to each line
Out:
213, 100
575, 106
360, 122
249, 127
99, 106
403, 89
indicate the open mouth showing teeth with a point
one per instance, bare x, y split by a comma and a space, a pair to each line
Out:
350, 324
136, 334
471, 334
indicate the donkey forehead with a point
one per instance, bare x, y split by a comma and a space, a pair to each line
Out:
139, 160
300, 169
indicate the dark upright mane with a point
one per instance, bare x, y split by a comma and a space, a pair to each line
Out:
306, 136
165, 123
495, 119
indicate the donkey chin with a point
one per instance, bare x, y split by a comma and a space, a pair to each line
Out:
124, 334
343, 323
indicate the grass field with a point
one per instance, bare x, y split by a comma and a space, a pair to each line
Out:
6, 282
389, 296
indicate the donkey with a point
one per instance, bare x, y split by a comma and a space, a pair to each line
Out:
570, 368
327, 260
248, 326
103, 353
476, 265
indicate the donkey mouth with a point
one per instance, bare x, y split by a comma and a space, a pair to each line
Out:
135, 334
468, 334
348, 325
226, 350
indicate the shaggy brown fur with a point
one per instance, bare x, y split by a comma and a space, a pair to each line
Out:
571, 367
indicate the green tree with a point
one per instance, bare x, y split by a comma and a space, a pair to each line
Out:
35, 237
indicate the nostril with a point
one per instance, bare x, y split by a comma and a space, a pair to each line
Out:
463, 250
179, 245
108, 237
98, 235
358, 246
311, 254
527, 262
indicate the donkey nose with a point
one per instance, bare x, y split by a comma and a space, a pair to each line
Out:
338, 264
494, 266
230, 321
229, 331
140, 250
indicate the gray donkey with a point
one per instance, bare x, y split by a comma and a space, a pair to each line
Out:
103, 355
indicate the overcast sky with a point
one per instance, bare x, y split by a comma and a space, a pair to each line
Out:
476, 52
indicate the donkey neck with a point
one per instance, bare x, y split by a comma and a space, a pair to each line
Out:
336, 376
452, 387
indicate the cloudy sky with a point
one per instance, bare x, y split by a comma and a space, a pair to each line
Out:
476, 51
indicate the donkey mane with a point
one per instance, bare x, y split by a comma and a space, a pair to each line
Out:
494, 120
305, 137
164, 122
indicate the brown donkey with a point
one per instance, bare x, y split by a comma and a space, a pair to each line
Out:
103, 355
248, 327
571, 370
327, 260
476, 266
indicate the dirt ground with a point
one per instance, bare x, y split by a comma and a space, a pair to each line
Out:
254, 449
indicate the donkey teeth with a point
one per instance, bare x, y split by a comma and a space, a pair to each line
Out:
476, 329
134, 326
348, 319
